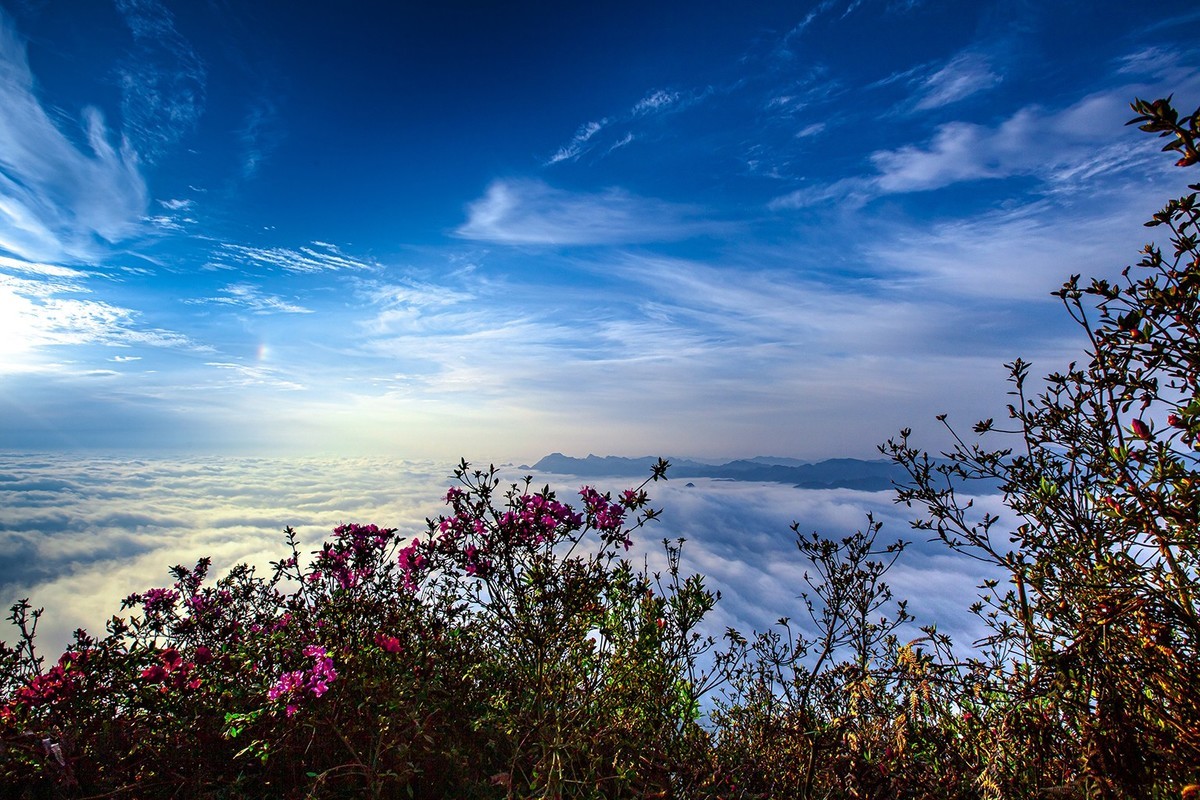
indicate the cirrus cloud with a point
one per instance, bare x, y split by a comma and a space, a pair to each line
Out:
531, 212
59, 202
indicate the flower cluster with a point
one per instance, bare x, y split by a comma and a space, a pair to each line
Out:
388, 644
56, 684
172, 672
537, 518
606, 516
412, 564
291, 686
351, 557
159, 600
233, 668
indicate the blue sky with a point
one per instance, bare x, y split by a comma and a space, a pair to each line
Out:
434, 230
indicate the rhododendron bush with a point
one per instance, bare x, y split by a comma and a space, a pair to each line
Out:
509, 648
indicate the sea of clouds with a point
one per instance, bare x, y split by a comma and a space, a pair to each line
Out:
79, 533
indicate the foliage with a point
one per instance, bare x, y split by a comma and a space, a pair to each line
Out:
848, 711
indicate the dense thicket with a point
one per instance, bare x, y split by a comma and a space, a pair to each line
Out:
513, 651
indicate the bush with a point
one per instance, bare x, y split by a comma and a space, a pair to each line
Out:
509, 652
1095, 652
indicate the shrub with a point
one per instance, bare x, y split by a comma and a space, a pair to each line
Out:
1095, 651
511, 651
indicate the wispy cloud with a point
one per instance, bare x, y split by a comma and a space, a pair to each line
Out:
412, 293
1058, 148
657, 100
244, 375
319, 257
248, 296
177, 215
1034, 141
1148, 61
44, 270
964, 75
41, 307
162, 82
58, 203
574, 148
259, 136
822, 8
534, 213
587, 138
35, 317
624, 140
1020, 253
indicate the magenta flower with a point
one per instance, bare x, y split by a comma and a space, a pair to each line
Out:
154, 600
389, 644
288, 684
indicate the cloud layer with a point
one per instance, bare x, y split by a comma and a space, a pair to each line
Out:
78, 534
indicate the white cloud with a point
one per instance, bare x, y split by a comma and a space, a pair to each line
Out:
251, 297
966, 74
532, 212
574, 148
1061, 149
320, 257
79, 533
162, 82
44, 311
655, 101
58, 203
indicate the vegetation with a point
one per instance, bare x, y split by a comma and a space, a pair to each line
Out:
514, 651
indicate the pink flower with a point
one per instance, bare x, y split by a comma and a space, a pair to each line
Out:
155, 674
159, 600
389, 644
288, 683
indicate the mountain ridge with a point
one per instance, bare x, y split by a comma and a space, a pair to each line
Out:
833, 473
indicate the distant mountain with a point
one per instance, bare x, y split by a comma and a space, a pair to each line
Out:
779, 461
835, 473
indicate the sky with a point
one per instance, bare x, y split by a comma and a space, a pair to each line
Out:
432, 230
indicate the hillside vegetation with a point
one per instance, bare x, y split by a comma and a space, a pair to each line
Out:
511, 650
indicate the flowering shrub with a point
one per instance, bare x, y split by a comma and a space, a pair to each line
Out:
508, 651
